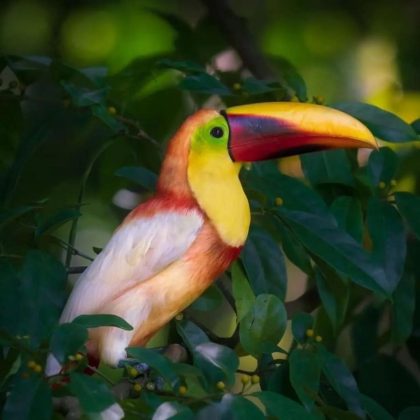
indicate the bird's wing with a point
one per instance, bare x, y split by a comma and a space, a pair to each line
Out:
138, 250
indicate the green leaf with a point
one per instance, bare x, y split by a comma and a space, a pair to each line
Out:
242, 292
29, 398
409, 206
301, 322
82, 96
305, 372
338, 249
277, 404
341, 379
186, 66
204, 83
94, 395
263, 326
327, 167
42, 291
211, 299
375, 410
172, 410
292, 77
258, 87
403, 307
334, 293
410, 413
383, 124
142, 176
416, 125
102, 320
231, 407
264, 264
157, 361
191, 334
101, 112
382, 165
9, 298
348, 213
67, 340
56, 220
388, 238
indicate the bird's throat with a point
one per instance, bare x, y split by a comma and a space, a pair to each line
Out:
214, 181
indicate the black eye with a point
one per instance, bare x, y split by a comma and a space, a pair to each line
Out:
217, 132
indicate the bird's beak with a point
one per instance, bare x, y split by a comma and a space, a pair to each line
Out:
274, 129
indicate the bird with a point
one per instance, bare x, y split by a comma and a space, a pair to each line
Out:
170, 248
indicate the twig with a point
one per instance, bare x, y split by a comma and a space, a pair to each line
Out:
140, 133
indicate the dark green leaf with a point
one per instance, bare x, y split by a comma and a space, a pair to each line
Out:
231, 407
102, 320
101, 112
348, 213
9, 298
94, 396
375, 411
382, 165
404, 302
305, 372
55, 220
82, 96
388, 239
142, 176
416, 125
257, 87
409, 206
264, 264
204, 83
292, 77
157, 361
327, 167
338, 249
341, 379
191, 334
410, 413
301, 322
242, 292
29, 399
9, 215
67, 340
383, 124
263, 326
211, 299
185, 66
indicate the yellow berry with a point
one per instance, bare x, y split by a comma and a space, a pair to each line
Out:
78, 357
112, 110
220, 385
31, 364
133, 372
393, 182
137, 387
71, 358
382, 185
310, 332
180, 317
182, 390
318, 338
150, 386
237, 86
37, 368
245, 379
255, 379
279, 201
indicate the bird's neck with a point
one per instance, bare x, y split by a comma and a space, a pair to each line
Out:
213, 179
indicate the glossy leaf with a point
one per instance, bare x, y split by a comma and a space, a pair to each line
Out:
388, 238
231, 407
102, 320
341, 379
29, 398
157, 361
67, 340
242, 292
263, 326
204, 83
94, 395
409, 206
142, 176
348, 213
301, 322
55, 220
278, 405
305, 373
264, 264
338, 249
327, 167
382, 165
383, 124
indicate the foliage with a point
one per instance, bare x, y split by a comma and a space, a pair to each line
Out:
79, 135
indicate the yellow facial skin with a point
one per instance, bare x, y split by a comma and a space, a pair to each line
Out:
214, 180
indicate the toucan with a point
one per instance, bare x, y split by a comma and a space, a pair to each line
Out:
170, 248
